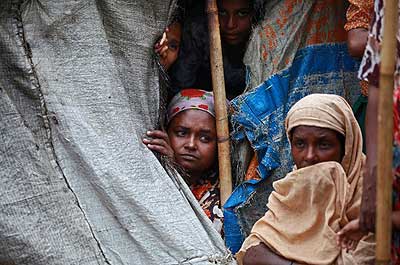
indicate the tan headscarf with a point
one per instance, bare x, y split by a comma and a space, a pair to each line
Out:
311, 204
332, 112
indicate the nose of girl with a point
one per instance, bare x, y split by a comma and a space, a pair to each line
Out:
231, 23
191, 143
310, 157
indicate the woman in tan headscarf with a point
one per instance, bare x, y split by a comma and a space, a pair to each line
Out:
322, 194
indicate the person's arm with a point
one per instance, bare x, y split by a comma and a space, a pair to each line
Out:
356, 41
159, 142
349, 236
262, 255
396, 220
368, 202
358, 17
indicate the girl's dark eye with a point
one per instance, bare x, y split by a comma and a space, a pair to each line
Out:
222, 13
243, 13
325, 145
299, 144
205, 139
173, 46
180, 133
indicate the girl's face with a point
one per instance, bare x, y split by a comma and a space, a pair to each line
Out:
311, 145
193, 138
235, 21
174, 42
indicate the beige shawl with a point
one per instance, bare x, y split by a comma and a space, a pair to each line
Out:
311, 204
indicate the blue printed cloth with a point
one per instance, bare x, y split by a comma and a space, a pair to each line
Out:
259, 116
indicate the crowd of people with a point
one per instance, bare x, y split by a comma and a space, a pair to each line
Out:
323, 211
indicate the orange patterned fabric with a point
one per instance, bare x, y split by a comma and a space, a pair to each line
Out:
319, 27
364, 87
252, 172
206, 191
283, 32
359, 14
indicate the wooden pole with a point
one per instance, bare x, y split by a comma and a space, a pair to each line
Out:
385, 134
217, 73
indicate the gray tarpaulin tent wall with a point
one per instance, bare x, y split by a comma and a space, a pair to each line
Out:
78, 90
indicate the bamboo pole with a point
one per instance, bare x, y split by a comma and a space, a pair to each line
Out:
218, 82
385, 134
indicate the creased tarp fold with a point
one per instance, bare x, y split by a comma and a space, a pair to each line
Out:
78, 91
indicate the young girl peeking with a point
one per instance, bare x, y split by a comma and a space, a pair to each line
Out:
320, 196
191, 141
167, 48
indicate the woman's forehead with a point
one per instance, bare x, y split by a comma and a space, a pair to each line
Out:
192, 118
307, 130
234, 4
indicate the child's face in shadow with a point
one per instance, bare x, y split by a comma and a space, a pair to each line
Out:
311, 145
235, 18
193, 138
174, 34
